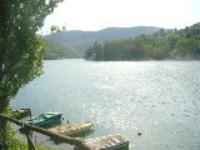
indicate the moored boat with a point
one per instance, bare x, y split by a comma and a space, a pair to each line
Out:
46, 119
73, 129
111, 142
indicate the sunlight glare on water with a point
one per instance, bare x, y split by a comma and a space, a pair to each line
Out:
160, 99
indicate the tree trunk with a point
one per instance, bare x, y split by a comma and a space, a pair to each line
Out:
3, 125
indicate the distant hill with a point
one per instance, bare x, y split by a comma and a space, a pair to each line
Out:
55, 50
80, 41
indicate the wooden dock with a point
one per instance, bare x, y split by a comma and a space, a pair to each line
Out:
30, 128
73, 129
64, 133
111, 142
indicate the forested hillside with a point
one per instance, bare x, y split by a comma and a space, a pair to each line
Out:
80, 41
171, 44
55, 50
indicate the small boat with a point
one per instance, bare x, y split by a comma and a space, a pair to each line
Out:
111, 142
46, 120
73, 129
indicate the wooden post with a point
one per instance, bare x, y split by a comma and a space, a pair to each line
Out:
30, 113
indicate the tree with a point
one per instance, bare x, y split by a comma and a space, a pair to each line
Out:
20, 48
187, 48
55, 29
181, 44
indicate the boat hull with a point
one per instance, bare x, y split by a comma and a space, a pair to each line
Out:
74, 129
47, 121
111, 142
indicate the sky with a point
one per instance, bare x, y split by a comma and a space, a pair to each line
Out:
92, 15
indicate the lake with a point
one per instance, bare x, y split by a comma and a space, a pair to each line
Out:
160, 99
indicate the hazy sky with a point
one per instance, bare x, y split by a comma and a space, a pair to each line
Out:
98, 14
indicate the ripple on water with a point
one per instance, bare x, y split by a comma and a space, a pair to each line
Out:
159, 99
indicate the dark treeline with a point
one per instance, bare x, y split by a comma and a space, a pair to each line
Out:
171, 44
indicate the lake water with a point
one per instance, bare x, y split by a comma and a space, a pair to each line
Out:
160, 99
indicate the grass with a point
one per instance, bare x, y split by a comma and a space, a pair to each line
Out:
15, 144
18, 145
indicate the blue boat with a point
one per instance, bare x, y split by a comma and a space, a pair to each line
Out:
46, 120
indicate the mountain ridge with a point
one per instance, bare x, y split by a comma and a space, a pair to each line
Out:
80, 40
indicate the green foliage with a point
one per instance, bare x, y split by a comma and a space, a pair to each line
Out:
188, 48
55, 29
21, 50
15, 144
183, 44
55, 50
